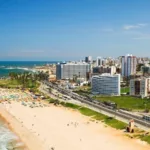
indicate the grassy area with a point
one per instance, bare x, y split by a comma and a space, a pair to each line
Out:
107, 120
145, 138
110, 121
9, 83
96, 116
70, 105
31, 84
125, 90
142, 136
83, 90
51, 100
127, 102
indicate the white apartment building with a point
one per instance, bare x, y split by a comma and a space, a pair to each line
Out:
72, 69
128, 66
106, 84
140, 87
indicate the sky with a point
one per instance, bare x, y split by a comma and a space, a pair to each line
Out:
73, 29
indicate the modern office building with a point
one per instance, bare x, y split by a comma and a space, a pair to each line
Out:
72, 69
106, 84
104, 69
128, 66
140, 87
88, 59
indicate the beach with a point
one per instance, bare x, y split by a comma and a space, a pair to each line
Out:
59, 128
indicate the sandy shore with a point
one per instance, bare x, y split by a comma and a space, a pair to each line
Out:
63, 129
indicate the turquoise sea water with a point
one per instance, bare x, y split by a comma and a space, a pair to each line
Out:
20, 66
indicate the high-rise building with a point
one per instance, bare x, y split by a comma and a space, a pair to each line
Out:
106, 84
88, 59
140, 87
72, 69
128, 66
98, 61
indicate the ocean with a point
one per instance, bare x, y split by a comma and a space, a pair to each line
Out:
8, 140
20, 66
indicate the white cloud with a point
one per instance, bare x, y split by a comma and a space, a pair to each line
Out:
129, 27
142, 24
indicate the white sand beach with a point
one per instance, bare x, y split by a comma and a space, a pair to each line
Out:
44, 128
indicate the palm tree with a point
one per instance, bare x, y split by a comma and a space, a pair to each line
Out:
13, 75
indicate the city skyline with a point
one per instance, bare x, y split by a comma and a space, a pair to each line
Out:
65, 30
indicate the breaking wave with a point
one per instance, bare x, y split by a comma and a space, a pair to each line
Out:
6, 138
20, 68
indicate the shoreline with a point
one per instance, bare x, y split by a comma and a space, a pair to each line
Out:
7, 125
29, 141
56, 132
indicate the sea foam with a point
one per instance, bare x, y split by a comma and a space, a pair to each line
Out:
6, 137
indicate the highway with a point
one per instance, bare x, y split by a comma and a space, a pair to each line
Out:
107, 110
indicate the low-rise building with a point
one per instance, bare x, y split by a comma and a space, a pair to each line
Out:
145, 70
104, 69
106, 84
140, 87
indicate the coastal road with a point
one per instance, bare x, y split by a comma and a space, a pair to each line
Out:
77, 99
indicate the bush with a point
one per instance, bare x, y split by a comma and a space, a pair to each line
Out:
74, 106
147, 111
51, 100
62, 103
56, 102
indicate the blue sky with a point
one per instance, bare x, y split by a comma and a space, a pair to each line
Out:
72, 29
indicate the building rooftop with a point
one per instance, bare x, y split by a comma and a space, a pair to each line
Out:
76, 63
107, 74
141, 78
